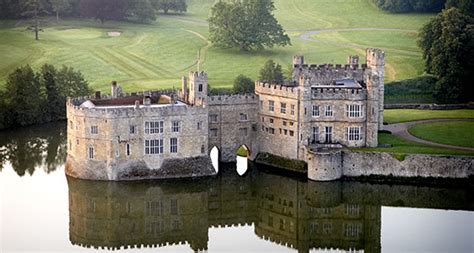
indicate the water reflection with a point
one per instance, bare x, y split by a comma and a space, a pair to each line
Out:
34, 147
287, 211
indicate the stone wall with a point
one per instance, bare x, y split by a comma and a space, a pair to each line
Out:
430, 106
325, 166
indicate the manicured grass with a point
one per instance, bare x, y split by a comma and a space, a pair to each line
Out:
401, 147
451, 133
404, 115
156, 55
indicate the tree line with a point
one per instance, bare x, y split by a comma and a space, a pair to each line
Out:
132, 10
33, 97
401, 6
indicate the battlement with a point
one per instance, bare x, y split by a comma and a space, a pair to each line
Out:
197, 75
276, 89
328, 67
233, 99
338, 93
375, 57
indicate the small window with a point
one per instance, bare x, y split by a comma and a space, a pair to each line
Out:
353, 133
292, 110
271, 121
283, 108
90, 153
128, 149
202, 149
292, 133
153, 127
284, 123
174, 145
213, 132
132, 129
271, 105
261, 103
263, 119
213, 118
200, 88
199, 125
291, 123
353, 111
94, 129
175, 126
243, 117
328, 111
315, 111
174, 207
271, 130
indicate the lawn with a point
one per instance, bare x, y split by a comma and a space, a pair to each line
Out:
400, 147
451, 133
156, 55
404, 115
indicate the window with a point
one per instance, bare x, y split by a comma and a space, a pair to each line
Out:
284, 123
153, 147
243, 131
352, 230
271, 105
174, 145
353, 133
213, 132
283, 108
291, 123
153, 127
315, 134
315, 111
175, 126
271, 130
128, 149
154, 208
174, 207
353, 111
292, 133
94, 130
243, 117
328, 135
271, 121
328, 112
199, 125
132, 129
261, 104
213, 118
327, 228
90, 153
200, 88
202, 149
292, 109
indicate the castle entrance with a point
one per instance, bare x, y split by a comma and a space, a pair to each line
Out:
243, 152
214, 154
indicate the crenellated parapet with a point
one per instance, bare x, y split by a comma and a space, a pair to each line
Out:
276, 90
325, 74
353, 94
232, 99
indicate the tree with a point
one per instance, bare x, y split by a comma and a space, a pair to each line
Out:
466, 6
24, 96
271, 73
71, 83
104, 10
247, 24
447, 43
59, 6
54, 106
243, 85
33, 9
141, 11
167, 5
410, 5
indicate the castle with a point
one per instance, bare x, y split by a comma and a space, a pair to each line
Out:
164, 134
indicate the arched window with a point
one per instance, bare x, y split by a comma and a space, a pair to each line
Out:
200, 88
90, 153
128, 149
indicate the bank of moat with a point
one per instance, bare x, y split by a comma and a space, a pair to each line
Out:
167, 133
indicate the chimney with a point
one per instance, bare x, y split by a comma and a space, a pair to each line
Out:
298, 60
137, 104
147, 101
114, 89
353, 60
97, 94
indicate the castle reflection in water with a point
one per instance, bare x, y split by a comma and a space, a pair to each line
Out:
299, 214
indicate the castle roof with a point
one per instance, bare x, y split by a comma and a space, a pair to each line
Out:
340, 83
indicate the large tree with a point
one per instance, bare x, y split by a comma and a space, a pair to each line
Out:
170, 5
447, 42
71, 83
271, 73
60, 6
104, 10
24, 96
466, 6
141, 11
33, 9
246, 24
54, 107
243, 85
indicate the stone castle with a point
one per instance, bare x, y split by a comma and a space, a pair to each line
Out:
164, 134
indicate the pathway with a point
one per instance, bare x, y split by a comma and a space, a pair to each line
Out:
401, 130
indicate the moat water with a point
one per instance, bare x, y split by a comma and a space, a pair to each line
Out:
43, 210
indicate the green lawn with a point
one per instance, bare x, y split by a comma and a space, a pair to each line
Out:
157, 55
405, 115
452, 133
401, 147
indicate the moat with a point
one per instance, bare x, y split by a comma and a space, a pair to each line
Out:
261, 211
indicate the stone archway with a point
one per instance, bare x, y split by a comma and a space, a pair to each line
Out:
242, 153
215, 158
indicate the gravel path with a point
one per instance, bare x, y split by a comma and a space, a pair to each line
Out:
401, 130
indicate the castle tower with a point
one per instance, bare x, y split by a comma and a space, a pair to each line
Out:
353, 60
374, 78
184, 88
197, 88
298, 60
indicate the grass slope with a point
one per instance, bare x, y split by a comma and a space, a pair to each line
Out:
451, 133
156, 55
404, 115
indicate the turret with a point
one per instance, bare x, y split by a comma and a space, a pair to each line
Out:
374, 79
197, 88
353, 60
298, 60
116, 90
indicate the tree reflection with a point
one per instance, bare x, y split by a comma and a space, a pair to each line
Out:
30, 148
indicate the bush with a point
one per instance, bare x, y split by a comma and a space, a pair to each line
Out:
417, 90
